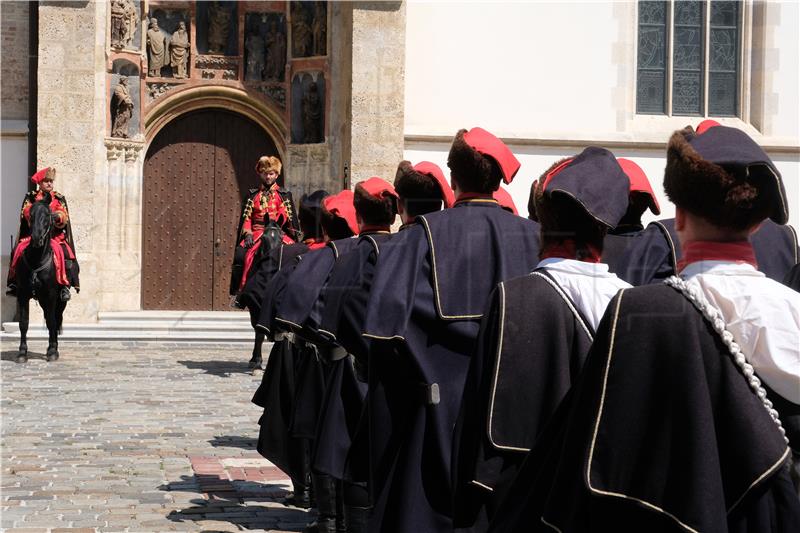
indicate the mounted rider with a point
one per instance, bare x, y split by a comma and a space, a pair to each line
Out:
262, 205
64, 260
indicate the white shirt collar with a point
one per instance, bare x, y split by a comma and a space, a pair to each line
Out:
573, 266
720, 268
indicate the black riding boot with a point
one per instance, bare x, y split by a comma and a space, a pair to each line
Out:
356, 507
73, 273
64, 294
301, 479
325, 492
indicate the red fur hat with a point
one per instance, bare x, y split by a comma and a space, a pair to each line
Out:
48, 172
505, 200
341, 206
378, 187
639, 182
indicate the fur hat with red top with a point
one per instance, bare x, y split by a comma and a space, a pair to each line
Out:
720, 174
471, 148
377, 187
341, 206
640, 183
592, 180
504, 199
49, 173
406, 172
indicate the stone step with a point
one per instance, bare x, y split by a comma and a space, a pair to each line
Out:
156, 326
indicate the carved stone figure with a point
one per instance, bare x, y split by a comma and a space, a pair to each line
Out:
301, 33
312, 115
319, 28
122, 108
276, 52
219, 23
254, 67
124, 20
157, 49
179, 51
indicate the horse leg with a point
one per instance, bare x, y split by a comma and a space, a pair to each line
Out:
255, 360
23, 307
51, 310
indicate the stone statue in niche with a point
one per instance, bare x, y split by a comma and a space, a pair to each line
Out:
219, 23
312, 115
179, 51
254, 67
302, 38
276, 52
124, 20
122, 109
156, 48
319, 29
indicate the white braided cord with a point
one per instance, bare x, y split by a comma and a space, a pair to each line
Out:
714, 316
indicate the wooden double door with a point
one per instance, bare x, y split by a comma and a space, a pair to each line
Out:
196, 172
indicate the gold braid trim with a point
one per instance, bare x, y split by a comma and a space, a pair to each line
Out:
248, 211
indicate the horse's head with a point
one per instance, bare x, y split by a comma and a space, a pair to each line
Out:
41, 222
272, 236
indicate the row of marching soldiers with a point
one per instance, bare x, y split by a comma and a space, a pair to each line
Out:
570, 371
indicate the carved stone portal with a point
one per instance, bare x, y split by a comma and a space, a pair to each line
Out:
124, 20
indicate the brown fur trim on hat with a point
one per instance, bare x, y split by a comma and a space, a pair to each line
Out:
374, 211
419, 192
472, 171
737, 199
268, 162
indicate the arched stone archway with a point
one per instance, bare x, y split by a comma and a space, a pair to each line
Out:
197, 169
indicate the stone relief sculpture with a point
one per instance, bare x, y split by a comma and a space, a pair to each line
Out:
319, 29
219, 23
124, 20
302, 38
276, 52
122, 109
312, 115
254, 67
179, 51
156, 48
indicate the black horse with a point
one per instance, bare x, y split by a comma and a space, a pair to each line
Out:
270, 239
36, 278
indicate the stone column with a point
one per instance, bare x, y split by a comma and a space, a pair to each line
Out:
71, 118
377, 89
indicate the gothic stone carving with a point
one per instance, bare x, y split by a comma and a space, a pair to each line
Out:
157, 90
124, 20
179, 51
122, 107
309, 29
219, 24
116, 148
276, 93
156, 48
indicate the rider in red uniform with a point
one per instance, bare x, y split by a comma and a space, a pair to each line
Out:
64, 259
265, 204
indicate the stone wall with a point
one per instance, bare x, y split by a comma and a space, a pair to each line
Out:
71, 120
14, 50
377, 82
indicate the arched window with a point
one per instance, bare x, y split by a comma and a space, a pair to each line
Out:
689, 57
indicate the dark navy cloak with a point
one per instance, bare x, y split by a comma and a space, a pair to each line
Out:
429, 294
660, 433
534, 341
655, 252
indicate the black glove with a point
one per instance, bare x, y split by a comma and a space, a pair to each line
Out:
248, 240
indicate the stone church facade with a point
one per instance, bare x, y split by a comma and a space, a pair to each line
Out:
154, 114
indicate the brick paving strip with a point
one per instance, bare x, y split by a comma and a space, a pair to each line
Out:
143, 438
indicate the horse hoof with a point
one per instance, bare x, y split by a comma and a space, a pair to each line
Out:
254, 364
21, 358
52, 357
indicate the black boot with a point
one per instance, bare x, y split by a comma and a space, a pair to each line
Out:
325, 491
356, 506
64, 294
356, 518
11, 290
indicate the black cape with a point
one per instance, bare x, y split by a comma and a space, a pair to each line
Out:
616, 243
262, 272
342, 431
655, 252
533, 344
660, 433
429, 294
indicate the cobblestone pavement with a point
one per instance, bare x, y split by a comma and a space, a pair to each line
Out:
142, 438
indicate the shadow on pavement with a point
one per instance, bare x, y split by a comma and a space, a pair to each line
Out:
223, 369
245, 504
233, 441
11, 355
